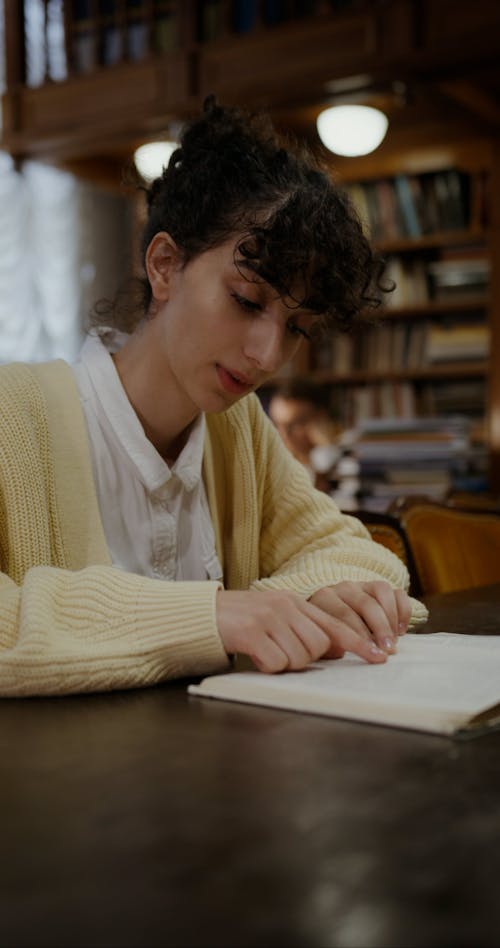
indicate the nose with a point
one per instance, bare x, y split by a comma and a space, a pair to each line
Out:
265, 344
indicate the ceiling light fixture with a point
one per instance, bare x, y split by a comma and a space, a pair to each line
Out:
352, 130
150, 159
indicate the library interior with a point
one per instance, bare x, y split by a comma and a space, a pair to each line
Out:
151, 816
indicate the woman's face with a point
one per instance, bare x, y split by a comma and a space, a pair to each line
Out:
218, 335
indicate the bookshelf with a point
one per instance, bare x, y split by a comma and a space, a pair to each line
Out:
436, 324
430, 353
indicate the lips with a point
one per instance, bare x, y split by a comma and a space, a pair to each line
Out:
235, 383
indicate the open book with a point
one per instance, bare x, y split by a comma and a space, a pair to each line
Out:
444, 683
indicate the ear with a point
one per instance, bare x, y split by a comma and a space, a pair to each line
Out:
163, 258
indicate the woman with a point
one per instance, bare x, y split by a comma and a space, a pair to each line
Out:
151, 522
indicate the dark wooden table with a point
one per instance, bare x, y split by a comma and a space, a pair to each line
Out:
153, 818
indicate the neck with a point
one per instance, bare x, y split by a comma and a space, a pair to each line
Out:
154, 396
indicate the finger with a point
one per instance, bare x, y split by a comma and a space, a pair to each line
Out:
268, 656
313, 638
340, 606
356, 606
344, 638
403, 605
385, 596
303, 641
361, 598
397, 605
334, 651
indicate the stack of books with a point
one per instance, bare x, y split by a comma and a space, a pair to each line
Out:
424, 456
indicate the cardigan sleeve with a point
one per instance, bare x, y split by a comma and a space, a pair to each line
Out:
99, 629
306, 542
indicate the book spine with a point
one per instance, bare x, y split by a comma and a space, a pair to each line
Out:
409, 214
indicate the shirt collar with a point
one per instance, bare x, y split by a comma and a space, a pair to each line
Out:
152, 470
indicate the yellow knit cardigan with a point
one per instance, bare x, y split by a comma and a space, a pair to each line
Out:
71, 622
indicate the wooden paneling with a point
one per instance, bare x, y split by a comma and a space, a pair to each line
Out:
273, 65
301, 57
78, 116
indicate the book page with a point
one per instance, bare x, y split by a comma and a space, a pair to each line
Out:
435, 682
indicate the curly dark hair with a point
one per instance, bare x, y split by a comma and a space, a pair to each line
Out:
233, 175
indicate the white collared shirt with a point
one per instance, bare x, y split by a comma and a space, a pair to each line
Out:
156, 519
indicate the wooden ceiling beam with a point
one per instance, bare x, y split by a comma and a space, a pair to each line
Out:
466, 93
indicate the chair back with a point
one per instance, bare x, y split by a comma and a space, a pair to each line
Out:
387, 530
452, 548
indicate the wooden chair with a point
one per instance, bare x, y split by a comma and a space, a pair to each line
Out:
472, 500
387, 530
452, 548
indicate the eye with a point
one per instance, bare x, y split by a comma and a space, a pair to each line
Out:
250, 306
297, 330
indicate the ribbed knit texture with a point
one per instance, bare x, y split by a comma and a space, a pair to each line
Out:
278, 532
70, 622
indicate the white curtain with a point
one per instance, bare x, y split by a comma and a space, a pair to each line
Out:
63, 244
39, 263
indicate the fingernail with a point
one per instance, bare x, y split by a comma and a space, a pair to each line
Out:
389, 644
402, 628
375, 650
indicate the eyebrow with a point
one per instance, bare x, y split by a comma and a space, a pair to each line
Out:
240, 263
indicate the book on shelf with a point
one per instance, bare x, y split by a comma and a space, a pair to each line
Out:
410, 278
85, 37
45, 46
410, 216
414, 352
381, 399
166, 26
452, 198
211, 20
339, 355
389, 223
457, 279
401, 346
375, 215
137, 34
112, 46
443, 683
456, 342
56, 43
413, 205
450, 396
357, 195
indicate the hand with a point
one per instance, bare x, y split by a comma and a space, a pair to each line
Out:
281, 631
373, 612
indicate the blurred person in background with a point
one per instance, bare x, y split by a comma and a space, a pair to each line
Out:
299, 410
